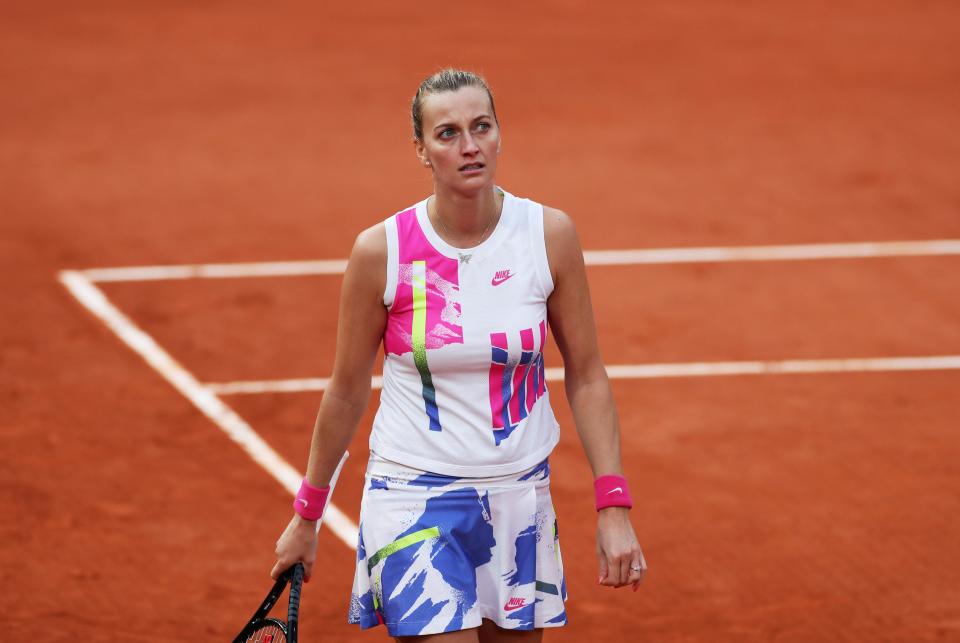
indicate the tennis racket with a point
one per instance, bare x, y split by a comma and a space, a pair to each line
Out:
264, 629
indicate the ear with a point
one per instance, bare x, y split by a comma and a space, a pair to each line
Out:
421, 151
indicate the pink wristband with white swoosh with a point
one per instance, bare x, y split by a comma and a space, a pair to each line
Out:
310, 500
612, 491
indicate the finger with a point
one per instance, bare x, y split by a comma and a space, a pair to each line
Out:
635, 574
613, 573
281, 566
638, 569
307, 570
625, 563
642, 562
278, 568
603, 568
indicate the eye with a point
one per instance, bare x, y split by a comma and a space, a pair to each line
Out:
447, 133
483, 126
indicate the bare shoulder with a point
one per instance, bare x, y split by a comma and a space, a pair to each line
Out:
371, 244
559, 231
562, 241
367, 266
557, 223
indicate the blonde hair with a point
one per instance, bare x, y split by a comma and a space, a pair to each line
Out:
446, 80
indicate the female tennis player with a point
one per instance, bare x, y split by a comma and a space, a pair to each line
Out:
458, 536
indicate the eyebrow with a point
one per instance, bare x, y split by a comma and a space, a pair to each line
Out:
443, 125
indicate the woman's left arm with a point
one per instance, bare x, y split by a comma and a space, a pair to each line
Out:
588, 391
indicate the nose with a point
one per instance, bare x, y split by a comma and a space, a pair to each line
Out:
469, 145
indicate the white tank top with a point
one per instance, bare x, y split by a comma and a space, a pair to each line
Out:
464, 392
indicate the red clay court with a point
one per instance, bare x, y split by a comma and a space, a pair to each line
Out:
770, 202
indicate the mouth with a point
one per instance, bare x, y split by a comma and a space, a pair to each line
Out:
470, 167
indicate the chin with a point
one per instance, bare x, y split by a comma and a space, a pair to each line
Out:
474, 183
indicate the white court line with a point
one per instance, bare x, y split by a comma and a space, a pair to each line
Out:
859, 250
641, 371
202, 397
768, 367
279, 386
218, 270
205, 397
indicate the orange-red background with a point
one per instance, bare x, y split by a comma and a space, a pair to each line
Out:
779, 507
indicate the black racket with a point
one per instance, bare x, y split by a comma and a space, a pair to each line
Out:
264, 629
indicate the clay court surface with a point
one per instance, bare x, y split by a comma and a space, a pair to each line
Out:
814, 506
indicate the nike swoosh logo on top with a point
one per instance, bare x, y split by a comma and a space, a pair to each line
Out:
615, 490
303, 501
501, 277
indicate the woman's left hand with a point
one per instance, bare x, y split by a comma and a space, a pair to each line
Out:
618, 552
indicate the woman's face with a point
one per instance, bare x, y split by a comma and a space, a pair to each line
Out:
461, 138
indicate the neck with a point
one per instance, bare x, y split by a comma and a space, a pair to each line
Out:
465, 216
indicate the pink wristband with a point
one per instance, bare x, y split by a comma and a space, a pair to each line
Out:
612, 491
310, 501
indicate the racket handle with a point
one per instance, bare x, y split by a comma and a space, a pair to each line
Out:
293, 605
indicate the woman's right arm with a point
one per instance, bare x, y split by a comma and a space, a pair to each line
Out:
359, 332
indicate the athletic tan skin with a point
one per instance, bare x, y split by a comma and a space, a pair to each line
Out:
459, 129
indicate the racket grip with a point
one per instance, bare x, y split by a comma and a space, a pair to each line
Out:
293, 605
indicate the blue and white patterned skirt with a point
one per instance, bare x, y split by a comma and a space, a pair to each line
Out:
438, 553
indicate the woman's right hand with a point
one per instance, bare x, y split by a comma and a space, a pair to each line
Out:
297, 543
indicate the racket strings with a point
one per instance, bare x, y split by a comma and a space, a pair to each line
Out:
267, 634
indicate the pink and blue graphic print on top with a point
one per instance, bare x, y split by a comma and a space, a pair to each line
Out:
516, 383
426, 305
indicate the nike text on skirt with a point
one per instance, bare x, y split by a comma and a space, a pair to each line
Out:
438, 553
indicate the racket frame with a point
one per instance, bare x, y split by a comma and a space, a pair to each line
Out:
292, 576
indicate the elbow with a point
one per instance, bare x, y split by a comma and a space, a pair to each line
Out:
354, 391
589, 376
